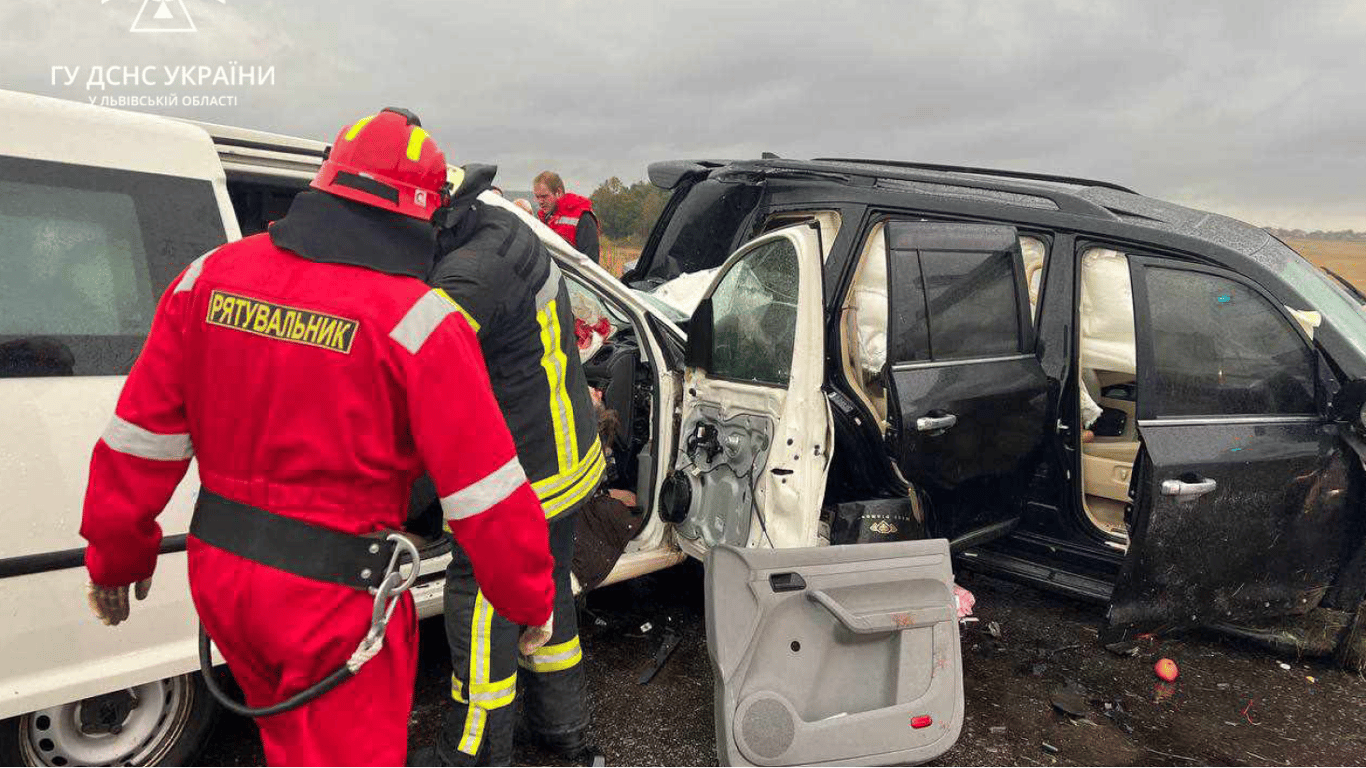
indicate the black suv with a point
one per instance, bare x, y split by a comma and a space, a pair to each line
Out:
1093, 391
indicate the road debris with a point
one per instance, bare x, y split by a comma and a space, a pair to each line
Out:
1070, 699
1284, 665
1118, 715
963, 600
994, 629
1123, 648
666, 649
1049, 748
997, 729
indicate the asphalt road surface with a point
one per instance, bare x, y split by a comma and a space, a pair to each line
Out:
1231, 705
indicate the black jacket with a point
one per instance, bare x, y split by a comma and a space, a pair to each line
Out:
502, 277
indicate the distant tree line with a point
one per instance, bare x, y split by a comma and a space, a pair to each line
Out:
627, 213
1317, 234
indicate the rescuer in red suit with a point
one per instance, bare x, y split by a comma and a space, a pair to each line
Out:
314, 376
570, 215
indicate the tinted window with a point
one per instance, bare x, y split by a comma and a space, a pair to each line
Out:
84, 255
701, 230
1221, 348
754, 316
971, 300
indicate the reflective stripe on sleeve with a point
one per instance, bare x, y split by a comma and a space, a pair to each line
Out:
554, 658
568, 221
127, 437
422, 319
561, 492
485, 493
550, 288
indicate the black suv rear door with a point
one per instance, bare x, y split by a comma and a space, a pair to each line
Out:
968, 396
1242, 505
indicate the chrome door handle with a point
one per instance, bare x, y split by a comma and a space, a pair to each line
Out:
1188, 490
935, 423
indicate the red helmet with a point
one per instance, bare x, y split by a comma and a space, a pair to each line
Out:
388, 161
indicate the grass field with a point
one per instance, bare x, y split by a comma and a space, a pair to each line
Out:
1345, 257
614, 256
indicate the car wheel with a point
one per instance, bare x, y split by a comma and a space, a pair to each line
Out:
166, 722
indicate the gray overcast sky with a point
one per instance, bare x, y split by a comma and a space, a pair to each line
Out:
1254, 109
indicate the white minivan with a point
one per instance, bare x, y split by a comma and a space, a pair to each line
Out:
100, 209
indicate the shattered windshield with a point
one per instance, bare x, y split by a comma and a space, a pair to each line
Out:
702, 230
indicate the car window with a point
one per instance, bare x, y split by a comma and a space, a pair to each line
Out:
701, 229
84, 255
956, 290
1220, 348
1035, 254
971, 302
754, 315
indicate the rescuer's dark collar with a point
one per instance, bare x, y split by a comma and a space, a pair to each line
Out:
326, 228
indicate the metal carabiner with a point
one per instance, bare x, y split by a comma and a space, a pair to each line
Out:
392, 587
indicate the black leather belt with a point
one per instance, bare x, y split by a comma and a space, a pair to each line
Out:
290, 545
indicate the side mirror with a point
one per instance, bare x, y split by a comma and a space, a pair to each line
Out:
698, 354
1348, 403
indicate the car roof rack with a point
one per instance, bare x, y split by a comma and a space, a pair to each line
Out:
981, 172
1065, 200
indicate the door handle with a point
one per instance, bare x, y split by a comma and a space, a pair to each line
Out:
1188, 490
935, 423
894, 620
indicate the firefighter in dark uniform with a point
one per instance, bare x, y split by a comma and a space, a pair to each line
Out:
497, 270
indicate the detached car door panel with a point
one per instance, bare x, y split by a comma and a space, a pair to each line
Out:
1242, 507
834, 655
969, 394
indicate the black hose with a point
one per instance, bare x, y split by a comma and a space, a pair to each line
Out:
299, 699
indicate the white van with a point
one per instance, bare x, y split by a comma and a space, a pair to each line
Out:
100, 209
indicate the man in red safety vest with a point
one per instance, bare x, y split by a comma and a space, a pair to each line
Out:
315, 375
570, 215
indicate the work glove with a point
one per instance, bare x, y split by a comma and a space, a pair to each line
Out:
532, 637
110, 604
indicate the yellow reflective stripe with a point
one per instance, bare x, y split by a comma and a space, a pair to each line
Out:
474, 324
415, 140
494, 695
475, 717
553, 485
576, 493
458, 689
355, 129
554, 658
555, 363
480, 630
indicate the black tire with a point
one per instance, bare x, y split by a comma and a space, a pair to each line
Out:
175, 732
